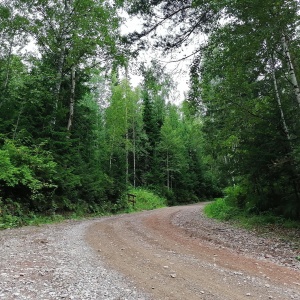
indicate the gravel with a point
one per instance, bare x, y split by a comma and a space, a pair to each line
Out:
281, 246
54, 262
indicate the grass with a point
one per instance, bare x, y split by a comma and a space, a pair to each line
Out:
10, 221
264, 224
220, 209
145, 200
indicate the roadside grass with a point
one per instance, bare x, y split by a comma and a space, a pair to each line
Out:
221, 210
145, 200
11, 221
264, 224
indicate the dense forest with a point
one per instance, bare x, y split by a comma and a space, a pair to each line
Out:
76, 136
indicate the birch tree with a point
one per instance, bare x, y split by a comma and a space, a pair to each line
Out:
74, 36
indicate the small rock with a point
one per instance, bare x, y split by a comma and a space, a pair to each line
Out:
248, 294
64, 296
173, 275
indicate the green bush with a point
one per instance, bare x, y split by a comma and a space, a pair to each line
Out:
235, 196
219, 209
26, 176
145, 200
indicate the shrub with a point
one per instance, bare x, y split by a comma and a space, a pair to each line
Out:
26, 176
145, 200
219, 209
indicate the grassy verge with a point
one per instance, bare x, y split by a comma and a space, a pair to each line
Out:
220, 209
264, 224
144, 200
11, 221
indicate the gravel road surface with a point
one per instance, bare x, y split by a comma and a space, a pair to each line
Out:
171, 253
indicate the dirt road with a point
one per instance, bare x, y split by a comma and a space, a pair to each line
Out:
165, 255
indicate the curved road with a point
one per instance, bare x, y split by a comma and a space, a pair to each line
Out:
169, 262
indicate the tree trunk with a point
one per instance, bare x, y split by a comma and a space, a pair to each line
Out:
58, 80
134, 156
72, 98
285, 127
112, 147
126, 139
291, 69
168, 172
18, 121
61, 59
127, 158
126, 128
11, 44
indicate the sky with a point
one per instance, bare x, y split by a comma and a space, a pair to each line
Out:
179, 71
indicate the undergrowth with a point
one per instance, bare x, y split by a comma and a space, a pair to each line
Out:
144, 200
221, 210
14, 216
11, 221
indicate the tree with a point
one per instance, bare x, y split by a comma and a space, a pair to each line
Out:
73, 36
248, 107
155, 92
239, 78
123, 128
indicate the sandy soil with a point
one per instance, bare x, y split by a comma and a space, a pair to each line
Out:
177, 253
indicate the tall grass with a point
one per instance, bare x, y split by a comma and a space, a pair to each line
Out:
221, 210
144, 200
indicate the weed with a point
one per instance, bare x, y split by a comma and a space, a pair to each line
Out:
144, 200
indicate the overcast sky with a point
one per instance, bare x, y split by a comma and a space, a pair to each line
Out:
178, 70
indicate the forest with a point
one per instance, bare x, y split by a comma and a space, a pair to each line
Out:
76, 136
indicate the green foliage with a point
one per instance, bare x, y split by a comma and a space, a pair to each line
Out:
119, 136
13, 214
26, 175
219, 209
236, 196
145, 200
248, 119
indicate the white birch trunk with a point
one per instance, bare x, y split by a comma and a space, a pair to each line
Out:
61, 59
72, 98
126, 128
18, 121
285, 127
127, 158
11, 44
134, 156
168, 172
291, 69
112, 147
